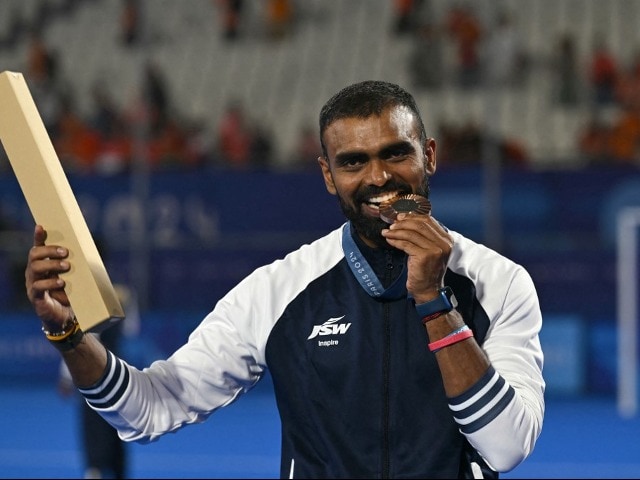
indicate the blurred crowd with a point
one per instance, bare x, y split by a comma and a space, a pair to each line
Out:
612, 132
110, 139
493, 55
489, 54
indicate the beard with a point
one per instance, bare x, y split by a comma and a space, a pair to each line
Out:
371, 227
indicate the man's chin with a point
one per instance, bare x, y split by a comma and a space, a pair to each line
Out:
371, 229
380, 242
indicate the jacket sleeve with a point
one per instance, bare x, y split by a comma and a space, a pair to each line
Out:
223, 358
502, 414
220, 361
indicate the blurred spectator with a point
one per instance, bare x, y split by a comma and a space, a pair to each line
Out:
513, 153
167, 146
115, 152
405, 14
44, 81
594, 140
199, 145
624, 144
234, 138
464, 27
105, 455
307, 149
76, 143
12, 294
41, 63
231, 14
261, 150
628, 85
603, 72
504, 55
107, 120
565, 68
105, 115
464, 146
460, 145
279, 18
155, 97
426, 63
130, 23
615, 143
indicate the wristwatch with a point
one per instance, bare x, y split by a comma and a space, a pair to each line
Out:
443, 303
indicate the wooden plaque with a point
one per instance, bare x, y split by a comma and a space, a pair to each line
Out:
53, 205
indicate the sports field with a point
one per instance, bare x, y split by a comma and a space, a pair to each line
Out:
583, 437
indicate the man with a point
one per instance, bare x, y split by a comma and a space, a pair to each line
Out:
402, 350
105, 455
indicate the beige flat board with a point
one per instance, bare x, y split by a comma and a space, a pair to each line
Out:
53, 205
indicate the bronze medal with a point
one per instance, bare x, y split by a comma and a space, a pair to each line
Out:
411, 203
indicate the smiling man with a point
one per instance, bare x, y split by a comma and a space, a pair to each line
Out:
400, 350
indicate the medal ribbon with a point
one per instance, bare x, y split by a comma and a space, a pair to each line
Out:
364, 273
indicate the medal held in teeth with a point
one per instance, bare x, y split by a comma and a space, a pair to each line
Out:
411, 203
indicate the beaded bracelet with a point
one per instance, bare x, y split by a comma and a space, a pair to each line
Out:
67, 328
456, 336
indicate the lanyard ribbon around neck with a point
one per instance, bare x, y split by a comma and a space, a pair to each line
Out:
365, 275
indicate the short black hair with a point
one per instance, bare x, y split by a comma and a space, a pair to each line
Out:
364, 99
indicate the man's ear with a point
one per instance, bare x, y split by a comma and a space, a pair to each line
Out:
430, 156
326, 174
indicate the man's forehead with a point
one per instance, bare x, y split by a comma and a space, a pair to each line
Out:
396, 112
393, 121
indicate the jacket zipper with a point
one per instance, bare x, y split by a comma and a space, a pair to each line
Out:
386, 367
385, 394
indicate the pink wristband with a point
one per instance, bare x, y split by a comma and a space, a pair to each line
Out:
454, 337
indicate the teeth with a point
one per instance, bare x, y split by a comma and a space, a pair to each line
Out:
382, 198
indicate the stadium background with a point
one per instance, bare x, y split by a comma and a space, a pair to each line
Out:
182, 223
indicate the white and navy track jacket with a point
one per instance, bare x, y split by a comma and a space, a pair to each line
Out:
359, 393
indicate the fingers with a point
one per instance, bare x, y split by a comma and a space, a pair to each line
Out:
428, 246
41, 253
45, 289
44, 265
416, 233
39, 236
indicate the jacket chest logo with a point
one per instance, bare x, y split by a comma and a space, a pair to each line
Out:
330, 327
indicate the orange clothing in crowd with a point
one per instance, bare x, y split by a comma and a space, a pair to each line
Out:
76, 143
625, 137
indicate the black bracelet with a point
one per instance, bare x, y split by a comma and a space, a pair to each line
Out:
68, 342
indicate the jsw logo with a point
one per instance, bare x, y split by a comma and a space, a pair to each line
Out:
330, 327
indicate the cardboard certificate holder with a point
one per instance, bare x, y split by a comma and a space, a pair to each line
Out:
53, 205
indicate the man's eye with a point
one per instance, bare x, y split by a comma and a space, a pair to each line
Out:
397, 152
353, 161
400, 153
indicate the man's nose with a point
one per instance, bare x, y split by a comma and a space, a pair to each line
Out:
378, 172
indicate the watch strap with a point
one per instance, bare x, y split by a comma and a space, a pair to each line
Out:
443, 303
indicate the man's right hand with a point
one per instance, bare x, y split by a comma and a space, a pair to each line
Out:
45, 289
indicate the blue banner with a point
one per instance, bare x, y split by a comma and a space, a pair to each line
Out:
198, 234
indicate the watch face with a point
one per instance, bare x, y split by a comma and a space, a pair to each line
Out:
412, 203
451, 298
